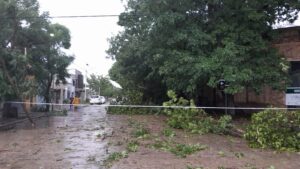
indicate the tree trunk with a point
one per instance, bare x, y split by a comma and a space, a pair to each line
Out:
27, 114
47, 100
47, 94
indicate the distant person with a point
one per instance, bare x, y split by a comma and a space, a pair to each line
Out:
76, 102
71, 102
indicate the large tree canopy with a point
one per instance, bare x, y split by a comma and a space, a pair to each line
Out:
188, 45
30, 51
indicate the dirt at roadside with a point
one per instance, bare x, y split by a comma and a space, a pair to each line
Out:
222, 152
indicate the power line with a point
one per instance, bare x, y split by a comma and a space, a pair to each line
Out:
83, 16
163, 107
99, 15
65, 16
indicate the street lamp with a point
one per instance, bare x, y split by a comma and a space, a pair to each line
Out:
222, 84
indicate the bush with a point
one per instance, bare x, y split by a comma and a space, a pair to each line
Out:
141, 132
275, 129
179, 117
192, 119
66, 101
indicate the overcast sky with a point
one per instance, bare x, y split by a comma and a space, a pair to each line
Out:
89, 35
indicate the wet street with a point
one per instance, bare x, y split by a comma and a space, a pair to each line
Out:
76, 141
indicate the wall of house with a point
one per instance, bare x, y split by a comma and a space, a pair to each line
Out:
266, 98
291, 50
288, 44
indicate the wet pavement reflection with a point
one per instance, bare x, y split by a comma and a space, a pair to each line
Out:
76, 141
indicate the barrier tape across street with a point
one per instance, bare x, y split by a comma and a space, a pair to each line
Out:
171, 107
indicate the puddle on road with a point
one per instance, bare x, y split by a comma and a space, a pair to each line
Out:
76, 141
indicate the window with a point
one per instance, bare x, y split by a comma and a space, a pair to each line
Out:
295, 73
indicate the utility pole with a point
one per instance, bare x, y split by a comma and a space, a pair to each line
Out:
85, 82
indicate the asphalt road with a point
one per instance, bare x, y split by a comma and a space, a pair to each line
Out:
76, 141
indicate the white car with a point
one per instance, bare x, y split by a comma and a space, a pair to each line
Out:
96, 99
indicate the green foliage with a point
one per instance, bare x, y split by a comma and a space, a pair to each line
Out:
30, 50
162, 145
168, 132
115, 156
180, 150
223, 124
66, 101
141, 132
103, 85
193, 119
49, 62
275, 129
180, 117
188, 45
131, 97
132, 146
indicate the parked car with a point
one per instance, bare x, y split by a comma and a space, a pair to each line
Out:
103, 100
96, 99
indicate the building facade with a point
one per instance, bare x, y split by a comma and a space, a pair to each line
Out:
74, 86
288, 45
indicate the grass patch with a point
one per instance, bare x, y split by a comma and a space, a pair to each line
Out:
141, 133
168, 132
161, 145
116, 156
180, 150
132, 146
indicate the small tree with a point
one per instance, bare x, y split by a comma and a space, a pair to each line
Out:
102, 84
